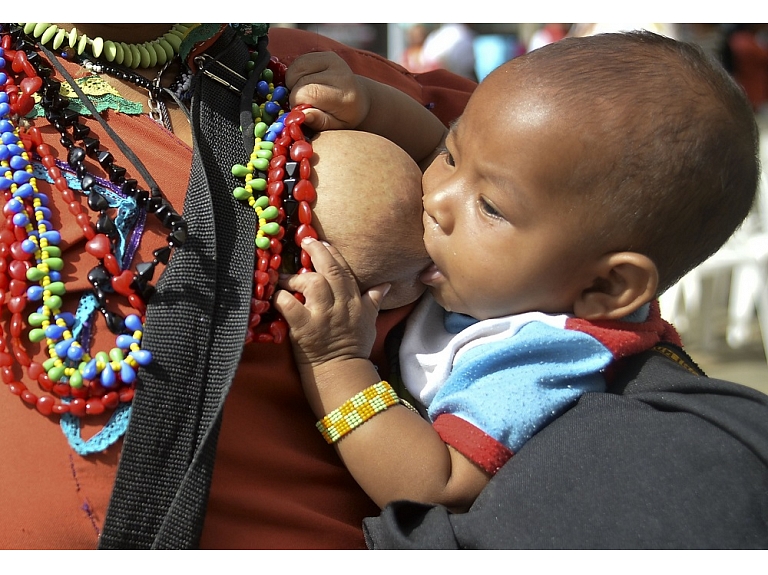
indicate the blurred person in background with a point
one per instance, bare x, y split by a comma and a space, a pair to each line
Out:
451, 47
547, 34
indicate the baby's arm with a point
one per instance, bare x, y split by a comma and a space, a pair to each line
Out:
396, 454
343, 100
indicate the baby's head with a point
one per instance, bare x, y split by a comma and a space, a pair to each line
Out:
586, 177
369, 207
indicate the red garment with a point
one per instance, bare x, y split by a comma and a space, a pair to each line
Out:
276, 483
750, 66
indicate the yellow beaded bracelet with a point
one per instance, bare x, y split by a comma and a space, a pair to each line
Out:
356, 411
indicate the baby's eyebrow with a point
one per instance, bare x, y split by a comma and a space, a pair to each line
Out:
453, 126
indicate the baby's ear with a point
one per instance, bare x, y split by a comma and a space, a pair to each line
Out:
623, 281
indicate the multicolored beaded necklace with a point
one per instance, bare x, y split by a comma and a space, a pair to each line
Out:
75, 382
276, 184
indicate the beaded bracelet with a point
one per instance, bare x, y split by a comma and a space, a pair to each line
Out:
356, 411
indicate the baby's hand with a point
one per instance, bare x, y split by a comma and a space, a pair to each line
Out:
325, 81
336, 322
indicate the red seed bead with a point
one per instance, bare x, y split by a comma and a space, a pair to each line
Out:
61, 184
277, 161
284, 140
6, 374
45, 404
275, 246
60, 408
16, 387
17, 304
68, 195
35, 370
17, 287
96, 389
18, 269
305, 213
263, 263
80, 392
276, 174
22, 358
306, 260
46, 384
20, 233
28, 397
6, 360
259, 307
275, 189
110, 400
77, 407
304, 231
98, 246
304, 191
17, 325
295, 117
305, 169
122, 283
301, 149
94, 406
275, 261
19, 254
32, 84
111, 264
36, 136
296, 133
278, 329
125, 394
60, 389
137, 303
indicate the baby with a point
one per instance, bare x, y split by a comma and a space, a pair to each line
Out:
582, 180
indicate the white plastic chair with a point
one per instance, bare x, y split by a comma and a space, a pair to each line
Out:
739, 276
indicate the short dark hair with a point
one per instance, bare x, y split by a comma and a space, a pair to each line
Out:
678, 168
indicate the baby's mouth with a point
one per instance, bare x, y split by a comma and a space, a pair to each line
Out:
430, 275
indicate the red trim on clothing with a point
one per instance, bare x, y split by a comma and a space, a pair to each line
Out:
624, 338
473, 443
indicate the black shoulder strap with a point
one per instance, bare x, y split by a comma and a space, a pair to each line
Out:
195, 328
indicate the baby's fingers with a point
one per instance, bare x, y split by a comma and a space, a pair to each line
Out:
328, 262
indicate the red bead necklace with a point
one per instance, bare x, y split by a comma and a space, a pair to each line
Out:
15, 264
278, 187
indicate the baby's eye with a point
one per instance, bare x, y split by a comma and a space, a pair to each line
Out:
447, 156
488, 208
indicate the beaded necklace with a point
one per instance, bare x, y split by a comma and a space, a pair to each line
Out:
276, 184
74, 381
77, 383
145, 55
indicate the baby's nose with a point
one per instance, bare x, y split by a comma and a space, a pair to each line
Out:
437, 206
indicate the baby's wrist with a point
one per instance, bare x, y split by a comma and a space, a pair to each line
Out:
331, 383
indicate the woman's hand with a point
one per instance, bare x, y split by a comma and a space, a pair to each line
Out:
323, 80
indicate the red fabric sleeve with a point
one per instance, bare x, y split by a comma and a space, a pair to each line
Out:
473, 443
446, 94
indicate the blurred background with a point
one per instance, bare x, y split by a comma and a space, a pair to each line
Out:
721, 307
